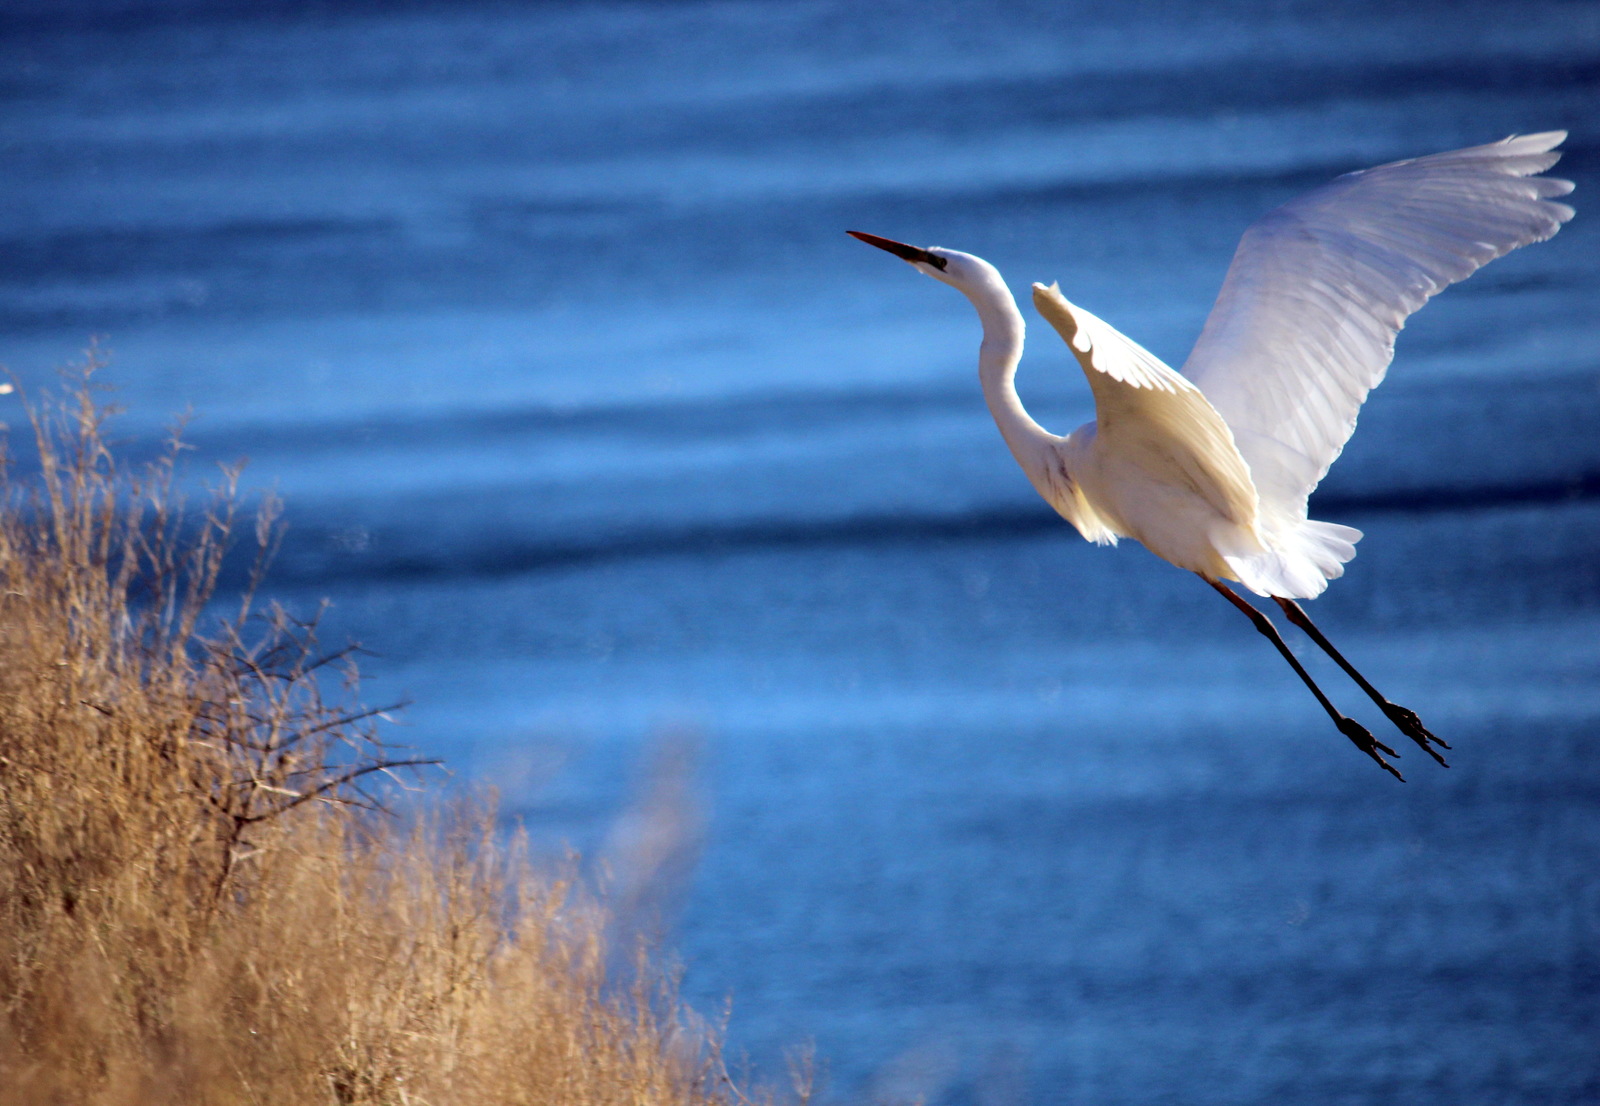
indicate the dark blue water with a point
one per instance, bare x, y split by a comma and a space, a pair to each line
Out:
598, 430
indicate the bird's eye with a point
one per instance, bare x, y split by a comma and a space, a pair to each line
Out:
940, 263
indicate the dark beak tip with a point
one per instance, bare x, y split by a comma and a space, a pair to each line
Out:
899, 249
873, 239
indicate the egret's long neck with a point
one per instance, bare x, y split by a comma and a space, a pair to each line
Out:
1003, 331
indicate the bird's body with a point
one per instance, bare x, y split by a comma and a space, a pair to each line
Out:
1160, 465
1157, 465
1210, 469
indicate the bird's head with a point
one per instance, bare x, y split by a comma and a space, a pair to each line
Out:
960, 270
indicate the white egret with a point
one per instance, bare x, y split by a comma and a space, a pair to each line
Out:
1211, 469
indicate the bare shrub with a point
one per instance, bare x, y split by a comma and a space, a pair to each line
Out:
198, 902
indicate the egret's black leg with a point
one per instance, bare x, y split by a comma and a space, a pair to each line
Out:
1357, 733
1405, 721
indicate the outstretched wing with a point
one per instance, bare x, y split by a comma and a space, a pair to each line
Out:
1305, 323
1147, 412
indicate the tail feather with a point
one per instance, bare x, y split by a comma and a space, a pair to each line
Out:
1298, 564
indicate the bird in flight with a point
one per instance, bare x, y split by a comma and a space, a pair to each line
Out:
1210, 468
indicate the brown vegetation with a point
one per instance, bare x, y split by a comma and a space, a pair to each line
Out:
198, 902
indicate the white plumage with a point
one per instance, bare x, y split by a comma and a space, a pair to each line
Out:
1211, 469
1305, 324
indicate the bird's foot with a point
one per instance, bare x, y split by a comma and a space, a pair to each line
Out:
1408, 723
1362, 738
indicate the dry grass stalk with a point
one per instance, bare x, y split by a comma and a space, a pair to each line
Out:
197, 904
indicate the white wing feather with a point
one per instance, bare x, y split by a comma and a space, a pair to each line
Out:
1305, 323
1150, 417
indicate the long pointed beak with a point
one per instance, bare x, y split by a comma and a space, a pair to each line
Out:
899, 249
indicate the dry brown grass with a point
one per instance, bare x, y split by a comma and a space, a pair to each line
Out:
197, 902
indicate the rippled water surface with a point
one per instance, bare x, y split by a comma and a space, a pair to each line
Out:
595, 427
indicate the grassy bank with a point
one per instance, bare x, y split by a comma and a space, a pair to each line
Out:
199, 899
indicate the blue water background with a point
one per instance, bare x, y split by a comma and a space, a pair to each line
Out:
595, 427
